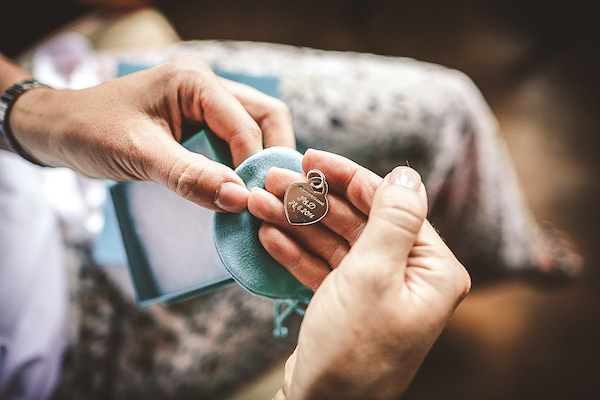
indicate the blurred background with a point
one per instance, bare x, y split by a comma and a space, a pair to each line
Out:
537, 64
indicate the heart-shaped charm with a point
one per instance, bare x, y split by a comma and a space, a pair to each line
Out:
306, 202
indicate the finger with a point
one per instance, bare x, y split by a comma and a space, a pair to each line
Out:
396, 218
196, 178
304, 266
230, 121
408, 177
342, 218
352, 181
202, 98
272, 115
329, 246
452, 275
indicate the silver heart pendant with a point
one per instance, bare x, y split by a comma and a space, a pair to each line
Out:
306, 202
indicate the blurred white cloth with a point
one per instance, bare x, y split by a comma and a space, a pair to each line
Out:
69, 62
33, 284
39, 209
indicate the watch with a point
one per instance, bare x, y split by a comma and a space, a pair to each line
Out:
7, 101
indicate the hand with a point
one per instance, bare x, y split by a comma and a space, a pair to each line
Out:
130, 129
311, 252
374, 317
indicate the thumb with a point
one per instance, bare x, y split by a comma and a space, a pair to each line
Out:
396, 217
198, 179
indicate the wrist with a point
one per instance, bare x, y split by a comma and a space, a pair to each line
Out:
8, 101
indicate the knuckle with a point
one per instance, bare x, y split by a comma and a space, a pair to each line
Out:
297, 267
329, 253
400, 219
182, 68
185, 181
246, 134
407, 214
280, 107
314, 283
253, 132
293, 264
353, 231
189, 62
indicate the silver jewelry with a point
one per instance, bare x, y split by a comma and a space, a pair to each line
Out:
306, 202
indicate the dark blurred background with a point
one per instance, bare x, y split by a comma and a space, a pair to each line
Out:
537, 64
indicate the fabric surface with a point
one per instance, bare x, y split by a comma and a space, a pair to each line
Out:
236, 235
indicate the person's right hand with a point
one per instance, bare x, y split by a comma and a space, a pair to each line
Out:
130, 128
377, 312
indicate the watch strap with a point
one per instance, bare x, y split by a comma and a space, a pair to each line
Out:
7, 101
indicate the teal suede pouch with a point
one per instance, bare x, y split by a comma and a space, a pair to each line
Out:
240, 250
236, 235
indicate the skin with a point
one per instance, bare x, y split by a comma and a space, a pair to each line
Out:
130, 128
385, 283
376, 311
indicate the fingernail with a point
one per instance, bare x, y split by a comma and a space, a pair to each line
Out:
405, 176
232, 197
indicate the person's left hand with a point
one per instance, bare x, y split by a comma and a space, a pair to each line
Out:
130, 128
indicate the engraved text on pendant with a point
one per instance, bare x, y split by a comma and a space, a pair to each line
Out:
303, 206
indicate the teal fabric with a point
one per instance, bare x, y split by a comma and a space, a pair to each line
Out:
154, 222
236, 235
